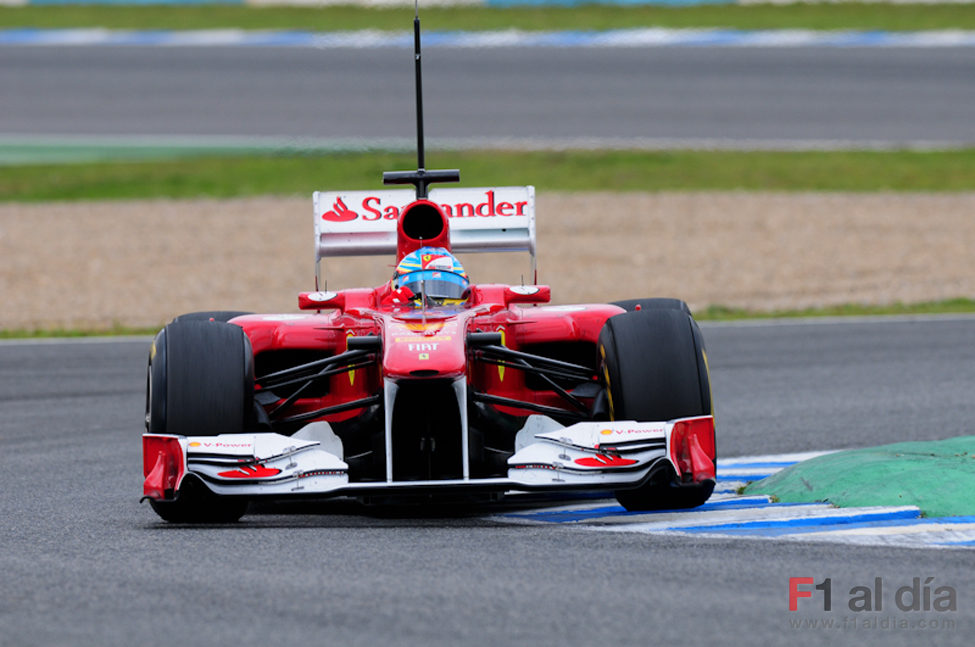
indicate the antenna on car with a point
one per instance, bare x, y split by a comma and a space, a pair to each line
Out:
420, 178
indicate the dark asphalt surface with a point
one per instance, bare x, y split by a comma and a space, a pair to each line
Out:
754, 94
84, 564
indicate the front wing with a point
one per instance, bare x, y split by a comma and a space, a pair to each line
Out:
583, 456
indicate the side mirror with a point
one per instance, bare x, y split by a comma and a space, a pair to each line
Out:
321, 301
527, 294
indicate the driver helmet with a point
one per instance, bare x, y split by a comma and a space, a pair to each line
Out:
435, 272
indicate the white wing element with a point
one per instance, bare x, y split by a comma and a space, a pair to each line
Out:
548, 456
617, 452
264, 464
363, 223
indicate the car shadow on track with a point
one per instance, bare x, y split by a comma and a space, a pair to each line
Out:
350, 513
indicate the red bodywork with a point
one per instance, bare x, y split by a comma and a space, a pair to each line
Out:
424, 358
430, 345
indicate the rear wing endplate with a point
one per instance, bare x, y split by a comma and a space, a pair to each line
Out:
363, 223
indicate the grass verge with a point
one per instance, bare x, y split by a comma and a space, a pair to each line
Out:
248, 175
711, 313
587, 17
63, 333
949, 306
936, 476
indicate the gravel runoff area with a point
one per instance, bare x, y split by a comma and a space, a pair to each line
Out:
97, 264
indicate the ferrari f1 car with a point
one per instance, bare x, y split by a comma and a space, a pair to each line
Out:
429, 386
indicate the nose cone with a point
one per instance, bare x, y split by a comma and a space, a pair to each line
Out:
414, 349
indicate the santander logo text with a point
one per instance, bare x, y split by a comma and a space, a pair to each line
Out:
372, 208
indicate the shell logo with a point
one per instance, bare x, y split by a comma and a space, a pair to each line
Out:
194, 444
428, 328
606, 432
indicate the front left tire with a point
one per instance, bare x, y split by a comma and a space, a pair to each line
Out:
200, 382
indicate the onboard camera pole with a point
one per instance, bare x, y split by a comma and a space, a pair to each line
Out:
421, 191
420, 178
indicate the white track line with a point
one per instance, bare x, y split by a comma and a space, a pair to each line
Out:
370, 38
729, 515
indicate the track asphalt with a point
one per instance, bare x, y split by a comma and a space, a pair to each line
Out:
85, 564
719, 96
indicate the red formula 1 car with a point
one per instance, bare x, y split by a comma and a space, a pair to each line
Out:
428, 386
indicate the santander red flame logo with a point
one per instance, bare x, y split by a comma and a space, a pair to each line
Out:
339, 212
601, 460
250, 472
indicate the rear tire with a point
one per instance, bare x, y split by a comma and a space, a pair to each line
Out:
222, 316
200, 382
654, 366
630, 305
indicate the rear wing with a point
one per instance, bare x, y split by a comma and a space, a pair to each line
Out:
363, 223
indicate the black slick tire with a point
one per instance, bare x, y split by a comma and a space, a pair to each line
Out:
197, 504
200, 382
654, 367
657, 303
222, 316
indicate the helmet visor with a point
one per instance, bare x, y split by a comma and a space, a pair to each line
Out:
435, 284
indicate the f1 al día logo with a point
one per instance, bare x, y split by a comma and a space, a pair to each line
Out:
922, 594
923, 604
